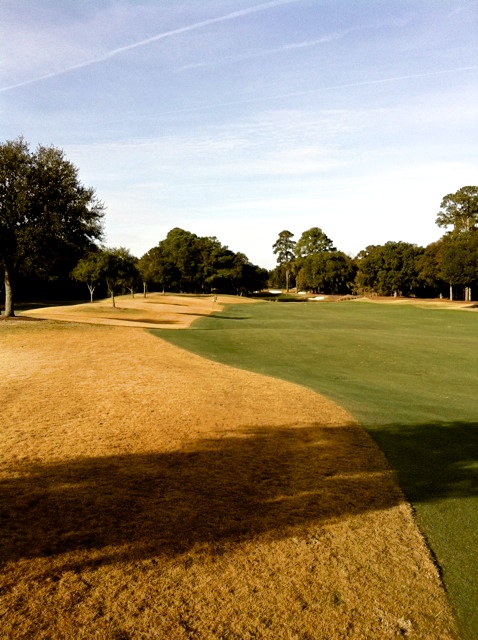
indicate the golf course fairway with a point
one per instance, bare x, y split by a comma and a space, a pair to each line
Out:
409, 374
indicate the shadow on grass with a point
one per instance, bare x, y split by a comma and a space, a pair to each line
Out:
217, 492
224, 491
218, 315
28, 306
437, 468
20, 318
139, 321
433, 461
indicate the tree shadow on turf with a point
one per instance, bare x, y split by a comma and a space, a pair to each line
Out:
433, 461
437, 468
226, 490
217, 491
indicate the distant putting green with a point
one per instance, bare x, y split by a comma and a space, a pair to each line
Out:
408, 374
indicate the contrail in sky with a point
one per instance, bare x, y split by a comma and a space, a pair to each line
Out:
160, 36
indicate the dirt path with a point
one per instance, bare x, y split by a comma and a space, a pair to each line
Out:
149, 493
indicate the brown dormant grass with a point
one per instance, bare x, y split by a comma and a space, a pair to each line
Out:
156, 311
149, 493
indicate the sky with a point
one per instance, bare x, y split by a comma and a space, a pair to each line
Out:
240, 119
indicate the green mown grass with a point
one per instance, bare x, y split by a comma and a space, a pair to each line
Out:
408, 374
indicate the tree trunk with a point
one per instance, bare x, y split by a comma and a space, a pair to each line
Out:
9, 309
144, 289
91, 292
451, 291
287, 274
113, 304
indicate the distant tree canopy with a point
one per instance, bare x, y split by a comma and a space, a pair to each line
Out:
456, 254
189, 263
116, 267
48, 219
89, 270
50, 225
447, 267
459, 210
452, 263
319, 266
389, 269
284, 248
119, 269
312, 263
311, 242
330, 272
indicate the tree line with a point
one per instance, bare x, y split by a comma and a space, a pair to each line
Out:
51, 228
181, 262
447, 268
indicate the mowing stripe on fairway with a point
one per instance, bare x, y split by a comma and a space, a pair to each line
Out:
409, 375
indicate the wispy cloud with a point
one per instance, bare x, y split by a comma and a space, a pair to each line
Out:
296, 94
233, 15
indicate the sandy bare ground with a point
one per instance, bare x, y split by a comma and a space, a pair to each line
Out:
156, 311
149, 493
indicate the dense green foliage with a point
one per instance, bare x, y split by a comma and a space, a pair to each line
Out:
459, 210
448, 267
313, 241
189, 263
408, 374
48, 219
391, 269
89, 271
326, 272
115, 266
312, 264
451, 264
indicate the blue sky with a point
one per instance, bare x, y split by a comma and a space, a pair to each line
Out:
239, 119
